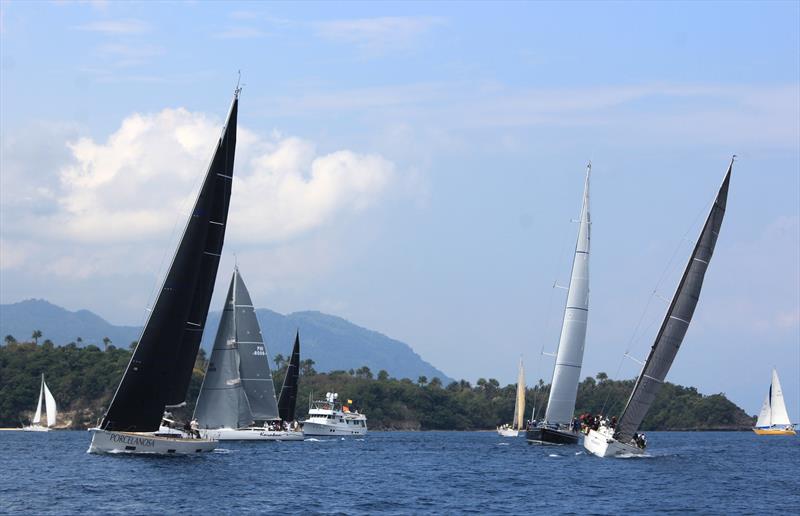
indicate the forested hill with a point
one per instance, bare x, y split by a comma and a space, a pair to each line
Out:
83, 381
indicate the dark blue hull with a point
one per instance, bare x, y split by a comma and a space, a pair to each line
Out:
543, 435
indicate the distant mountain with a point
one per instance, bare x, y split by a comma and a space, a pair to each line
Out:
332, 342
60, 325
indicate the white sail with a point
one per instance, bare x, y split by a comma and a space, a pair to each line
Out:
50, 404
567, 371
778, 405
38, 417
765, 416
519, 406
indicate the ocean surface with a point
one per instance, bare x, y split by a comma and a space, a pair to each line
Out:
405, 473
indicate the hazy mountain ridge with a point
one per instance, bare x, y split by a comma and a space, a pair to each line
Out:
332, 342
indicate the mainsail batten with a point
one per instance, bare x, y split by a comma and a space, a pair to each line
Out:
676, 321
160, 368
569, 358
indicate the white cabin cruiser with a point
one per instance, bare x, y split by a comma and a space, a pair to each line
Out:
329, 417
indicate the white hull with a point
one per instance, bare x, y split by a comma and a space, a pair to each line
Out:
507, 432
251, 434
321, 429
602, 444
143, 442
35, 428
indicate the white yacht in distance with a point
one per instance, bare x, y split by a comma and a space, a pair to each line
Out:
50, 410
329, 417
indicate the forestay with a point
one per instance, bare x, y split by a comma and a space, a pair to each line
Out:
567, 371
676, 322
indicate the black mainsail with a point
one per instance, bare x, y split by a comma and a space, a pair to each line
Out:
287, 401
160, 369
676, 322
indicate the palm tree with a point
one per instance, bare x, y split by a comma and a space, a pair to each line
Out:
422, 380
106, 342
10, 339
36, 335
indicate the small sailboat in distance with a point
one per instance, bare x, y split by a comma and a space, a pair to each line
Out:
623, 439
50, 410
160, 368
516, 425
773, 418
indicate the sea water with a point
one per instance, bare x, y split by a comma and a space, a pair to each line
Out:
405, 473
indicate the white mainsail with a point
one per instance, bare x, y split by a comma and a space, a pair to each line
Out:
778, 405
519, 406
567, 371
49, 403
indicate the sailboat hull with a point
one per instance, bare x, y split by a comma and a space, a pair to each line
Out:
603, 444
251, 434
507, 432
104, 441
775, 431
543, 435
35, 428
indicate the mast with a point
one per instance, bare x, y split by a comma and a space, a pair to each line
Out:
567, 370
287, 402
160, 368
677, 319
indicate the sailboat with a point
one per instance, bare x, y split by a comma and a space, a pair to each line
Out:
287, 401
160, 369
773, 418
516, 425
50, 411
237, 399
623, 439
557, 426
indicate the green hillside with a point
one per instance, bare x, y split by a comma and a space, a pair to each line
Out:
84, 379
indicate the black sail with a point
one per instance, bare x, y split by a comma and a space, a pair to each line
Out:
159, 371
288, 398
676, 321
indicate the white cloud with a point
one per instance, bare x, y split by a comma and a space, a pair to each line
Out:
239, 33
127, 26
377, 35
136, 187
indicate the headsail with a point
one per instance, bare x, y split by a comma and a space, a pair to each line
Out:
779, 414
765, 416
287, 401
254, 361
222, 402
519, 405
159, 371
37, 418
567, 371
50, 404
676, 321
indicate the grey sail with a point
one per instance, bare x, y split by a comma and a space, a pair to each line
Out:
254, 362
222, 402
569, 359
676, 322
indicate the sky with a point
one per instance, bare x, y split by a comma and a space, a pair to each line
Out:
415, 168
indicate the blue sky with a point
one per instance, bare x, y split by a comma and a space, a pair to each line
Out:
414, 168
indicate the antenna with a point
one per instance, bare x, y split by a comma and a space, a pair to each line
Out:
238, 89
